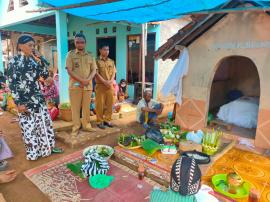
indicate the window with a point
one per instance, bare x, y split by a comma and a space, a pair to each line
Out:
11, 5
23, 3
149, 59
134, 69
134, 59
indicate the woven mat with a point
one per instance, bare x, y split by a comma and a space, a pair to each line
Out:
59, 184
253, 168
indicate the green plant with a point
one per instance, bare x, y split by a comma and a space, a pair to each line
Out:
169, 125
170, 132
130, 140
65, 105
212, 138
104, 152
183, 135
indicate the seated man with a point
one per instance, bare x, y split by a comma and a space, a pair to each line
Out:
148, 109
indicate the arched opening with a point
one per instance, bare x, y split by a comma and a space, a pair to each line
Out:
234, 96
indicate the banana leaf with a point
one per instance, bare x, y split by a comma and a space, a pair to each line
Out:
212, 138
76, 168
183, 136
150, 146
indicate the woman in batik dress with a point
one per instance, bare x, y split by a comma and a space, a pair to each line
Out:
24, 71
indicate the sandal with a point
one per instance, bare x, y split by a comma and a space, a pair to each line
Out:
57, 150
3, 165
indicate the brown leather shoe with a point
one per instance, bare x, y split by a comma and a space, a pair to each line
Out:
74, 134
89, 129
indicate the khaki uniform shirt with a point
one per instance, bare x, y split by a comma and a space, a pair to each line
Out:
106, 69
81, 64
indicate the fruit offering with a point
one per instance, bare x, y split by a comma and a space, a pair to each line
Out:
234, 182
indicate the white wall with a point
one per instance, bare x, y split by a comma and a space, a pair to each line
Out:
244, 34
167, 30
19, 14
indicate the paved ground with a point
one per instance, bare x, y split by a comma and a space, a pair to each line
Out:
22, 190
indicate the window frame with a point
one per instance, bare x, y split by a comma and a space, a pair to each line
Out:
140, 56
23, 3
11, 6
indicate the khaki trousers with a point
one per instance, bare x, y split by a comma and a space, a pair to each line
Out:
104, 103
80, 99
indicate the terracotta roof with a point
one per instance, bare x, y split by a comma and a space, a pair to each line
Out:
189, 33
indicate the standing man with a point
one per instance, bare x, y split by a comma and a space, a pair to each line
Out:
81, 68
104, 88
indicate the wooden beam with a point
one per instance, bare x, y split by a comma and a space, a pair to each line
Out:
194, 27
193, 34
155, 23
179, 47
78, 5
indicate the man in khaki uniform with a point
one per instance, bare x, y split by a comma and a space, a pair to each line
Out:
104, 88
81, 67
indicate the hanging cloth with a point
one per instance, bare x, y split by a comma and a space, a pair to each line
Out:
173, 84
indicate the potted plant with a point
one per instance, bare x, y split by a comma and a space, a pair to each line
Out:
65, 111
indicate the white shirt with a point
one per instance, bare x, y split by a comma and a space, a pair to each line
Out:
143, 104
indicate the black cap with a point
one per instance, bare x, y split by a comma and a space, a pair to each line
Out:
80, 35
25, 38
185, 176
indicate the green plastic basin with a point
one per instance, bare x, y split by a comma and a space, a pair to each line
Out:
241, 192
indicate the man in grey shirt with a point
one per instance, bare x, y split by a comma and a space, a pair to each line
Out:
148, 109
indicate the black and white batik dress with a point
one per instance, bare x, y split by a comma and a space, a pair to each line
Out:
38, 135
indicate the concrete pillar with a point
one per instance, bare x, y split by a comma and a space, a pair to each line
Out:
121, 56
156, 66
62, 50
1, 54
